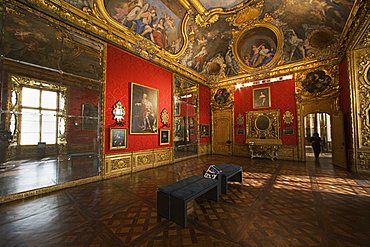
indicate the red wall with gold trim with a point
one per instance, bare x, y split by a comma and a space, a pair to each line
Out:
205, 110
122, 69
282, 97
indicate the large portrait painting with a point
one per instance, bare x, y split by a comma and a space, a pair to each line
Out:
144, 110
258, 47
153, 20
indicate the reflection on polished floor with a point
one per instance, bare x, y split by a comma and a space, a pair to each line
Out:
20, 176
280, 203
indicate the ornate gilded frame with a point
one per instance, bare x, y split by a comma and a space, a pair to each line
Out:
162, 136
239, 35
115, 144
272, 131
266, 101
154, 93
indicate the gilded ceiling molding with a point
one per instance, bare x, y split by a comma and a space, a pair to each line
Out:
317, 84
246, 16
205, 17
357, 22
94, 21
286, 69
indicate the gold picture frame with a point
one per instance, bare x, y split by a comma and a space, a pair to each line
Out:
164, 137
144, 109
204, 130
261, 97
118, 138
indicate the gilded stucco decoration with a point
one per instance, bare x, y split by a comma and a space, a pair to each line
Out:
263, 124
240, 120
363, 99
222, 98
288, 118
318, 83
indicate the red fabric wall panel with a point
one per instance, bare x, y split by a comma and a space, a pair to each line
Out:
122, 69
282, 97
204, 110
345, 101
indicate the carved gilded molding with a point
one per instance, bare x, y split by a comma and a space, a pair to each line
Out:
363, 68
317, 84
286, 69
357, 21
363, 161
222, 98
95, 20
204, 148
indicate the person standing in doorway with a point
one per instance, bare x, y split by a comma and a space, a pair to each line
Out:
316, 144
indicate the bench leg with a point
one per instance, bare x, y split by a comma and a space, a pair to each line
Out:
224, 186
179, 211
213, 194
237, 177
163, 204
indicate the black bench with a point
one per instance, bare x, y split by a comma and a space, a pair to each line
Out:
172, 200
163, 195
230, 173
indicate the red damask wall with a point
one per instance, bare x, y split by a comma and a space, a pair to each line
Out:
282, 97
122, 69
204, 110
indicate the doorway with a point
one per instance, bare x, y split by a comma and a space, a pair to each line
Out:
318, 123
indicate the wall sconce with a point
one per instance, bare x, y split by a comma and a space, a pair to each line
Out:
119, 113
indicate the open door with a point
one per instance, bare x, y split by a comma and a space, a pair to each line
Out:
339, 151
222, 132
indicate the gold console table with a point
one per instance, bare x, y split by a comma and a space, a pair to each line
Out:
264, 149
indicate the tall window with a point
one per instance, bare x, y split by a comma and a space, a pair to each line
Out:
39, 116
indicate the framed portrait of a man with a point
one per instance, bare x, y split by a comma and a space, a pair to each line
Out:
261, 97
118, 138
144, 110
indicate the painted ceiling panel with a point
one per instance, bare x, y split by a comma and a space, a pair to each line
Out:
307, 29
152, 19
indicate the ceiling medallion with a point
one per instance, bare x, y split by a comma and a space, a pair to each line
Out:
119, 113
258, 47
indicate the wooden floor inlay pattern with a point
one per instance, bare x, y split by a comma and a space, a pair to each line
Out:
280, 203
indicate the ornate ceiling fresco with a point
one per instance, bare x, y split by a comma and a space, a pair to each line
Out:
225, 38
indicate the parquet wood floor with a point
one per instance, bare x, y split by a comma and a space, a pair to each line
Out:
280, 203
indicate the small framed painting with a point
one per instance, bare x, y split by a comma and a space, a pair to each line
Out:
204, 130
261, 97
164, 136
118, 138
